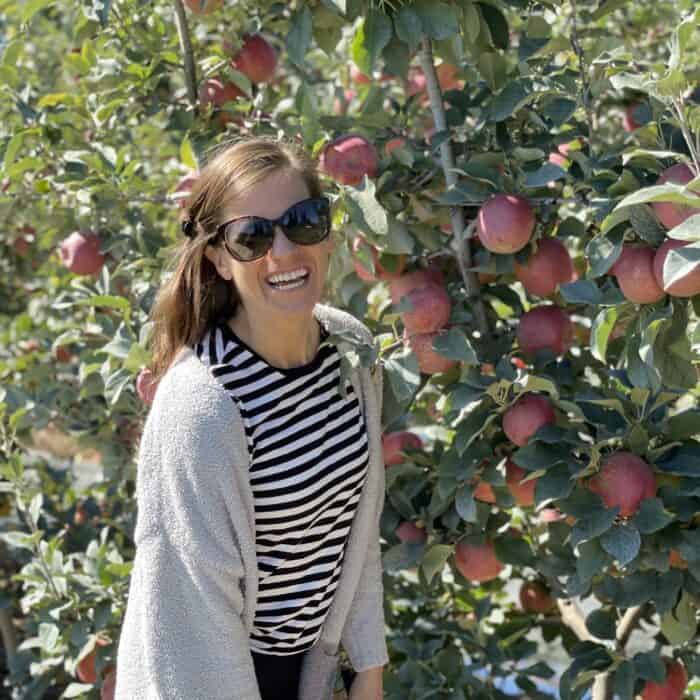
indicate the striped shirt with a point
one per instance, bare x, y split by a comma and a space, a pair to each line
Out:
309, 458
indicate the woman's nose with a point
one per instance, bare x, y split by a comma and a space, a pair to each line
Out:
281, 245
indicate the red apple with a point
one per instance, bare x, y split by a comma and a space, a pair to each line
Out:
415, 279
672, 687
522, 491
204, 7
217, 92
676, 561
668, 213
145, 386
429, 361
559, 159
393, 445
624, 480
85, 670
257, 59
358, 77
484, 492
416, 82
687, 286
545, 328
80, 253
526, 416
410, 532
393, 144
381, 273
446, 73
634, 270
535, 597
629, 121
109, 685
546, 269
505, 223
63, 354
338, 107
431, 309
348, 159
184, 187
477, 562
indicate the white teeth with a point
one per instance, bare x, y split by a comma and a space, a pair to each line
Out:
287, 276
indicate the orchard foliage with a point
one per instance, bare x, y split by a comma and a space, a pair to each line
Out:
517, 210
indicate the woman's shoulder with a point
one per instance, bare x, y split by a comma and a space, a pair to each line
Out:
188, 390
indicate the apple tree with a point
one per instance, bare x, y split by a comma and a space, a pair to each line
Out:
516, 195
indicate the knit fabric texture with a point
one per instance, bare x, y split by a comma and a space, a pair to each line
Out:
193, 586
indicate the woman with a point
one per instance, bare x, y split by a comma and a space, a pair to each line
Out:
260, 480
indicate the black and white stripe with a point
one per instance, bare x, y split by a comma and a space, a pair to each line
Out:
309, 460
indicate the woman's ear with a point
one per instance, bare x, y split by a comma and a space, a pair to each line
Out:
219, 258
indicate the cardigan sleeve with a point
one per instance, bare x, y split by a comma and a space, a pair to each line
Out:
363, 636
183, 636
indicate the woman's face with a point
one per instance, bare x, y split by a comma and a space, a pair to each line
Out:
270, 199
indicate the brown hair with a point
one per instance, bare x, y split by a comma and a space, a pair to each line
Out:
194, 295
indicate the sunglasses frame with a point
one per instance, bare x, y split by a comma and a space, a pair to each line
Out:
221, 230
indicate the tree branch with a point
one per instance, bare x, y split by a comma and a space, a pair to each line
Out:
585, 85
627, 624
186, 48
460, 241
572, 617
8, 637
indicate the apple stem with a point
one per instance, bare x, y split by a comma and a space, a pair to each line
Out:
461, 242
186, 48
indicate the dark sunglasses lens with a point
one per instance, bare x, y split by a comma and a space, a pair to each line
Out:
308, 222
249, 238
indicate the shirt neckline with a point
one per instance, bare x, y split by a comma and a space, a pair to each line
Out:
301, 370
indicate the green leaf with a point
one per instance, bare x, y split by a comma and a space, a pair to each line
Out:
555, 483
680, 625
187, 155
622, 542
594, 524
646, 225
591, 560
75, 690
299, 35
603, 251
106, 301
601, 329
21, 540
364, 209
408, 26
434, 560
493, 68
513, 550
544, 174
668, 192
681, 262
651, 516
581, 292
625, 677
372, 35
466, 505
602, 623
683, 425
404, 374
537, 455
497, 24
456, 346
403, 556
31, 7
438, 19
513, 96
689, 230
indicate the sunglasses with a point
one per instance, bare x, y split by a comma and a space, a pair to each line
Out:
249, 238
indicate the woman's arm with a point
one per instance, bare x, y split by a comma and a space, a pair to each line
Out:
183, 636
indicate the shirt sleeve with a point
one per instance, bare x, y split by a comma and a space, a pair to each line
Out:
364, 637
183, 636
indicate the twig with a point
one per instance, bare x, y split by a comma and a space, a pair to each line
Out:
585, 85
186, 48
8, 637
461, 243
627, 624
678, 106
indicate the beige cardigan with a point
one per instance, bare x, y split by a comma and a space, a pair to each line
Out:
194, 582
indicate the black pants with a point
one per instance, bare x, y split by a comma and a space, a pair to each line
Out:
278, 676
